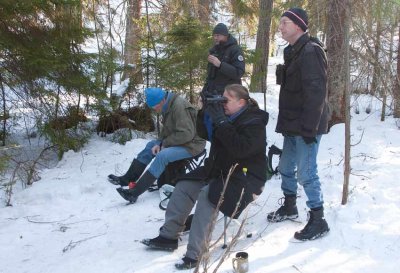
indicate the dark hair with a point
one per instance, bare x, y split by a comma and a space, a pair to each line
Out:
240, 92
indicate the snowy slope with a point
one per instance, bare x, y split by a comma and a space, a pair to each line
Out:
73, 220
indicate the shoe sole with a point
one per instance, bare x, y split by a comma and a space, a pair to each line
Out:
277, 220
114, 182
184, 266
126, 197
317, 236
156, 247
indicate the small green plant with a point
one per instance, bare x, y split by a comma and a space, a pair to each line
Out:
68, 139
121, 136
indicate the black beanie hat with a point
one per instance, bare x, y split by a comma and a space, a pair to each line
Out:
298, 16
221, 29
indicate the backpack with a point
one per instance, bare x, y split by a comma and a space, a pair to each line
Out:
177, 168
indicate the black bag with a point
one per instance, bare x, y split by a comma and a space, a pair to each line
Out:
273, 150
176, 169
171, 172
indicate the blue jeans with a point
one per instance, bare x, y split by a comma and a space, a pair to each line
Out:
296, 153
163, 158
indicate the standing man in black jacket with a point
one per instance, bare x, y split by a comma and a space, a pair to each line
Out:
302, 119
239, 137
225, 62
225, 66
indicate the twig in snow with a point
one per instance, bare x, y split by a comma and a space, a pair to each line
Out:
45, 222
359, 141
295, 267
73, 244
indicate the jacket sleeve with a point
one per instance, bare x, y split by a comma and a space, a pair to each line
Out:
314, 83
236, 67
184, 129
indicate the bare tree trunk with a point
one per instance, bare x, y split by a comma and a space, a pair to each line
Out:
150, 43
132, 53
337, 63
396, 91
204, 11
3, 94
260, 69
347, 146
389, 73
377, 46
110, 76
96, 33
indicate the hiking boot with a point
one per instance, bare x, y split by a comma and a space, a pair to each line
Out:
186, 263
141, 186
161, 243
288, 211
315, 228
128, 194
135, 170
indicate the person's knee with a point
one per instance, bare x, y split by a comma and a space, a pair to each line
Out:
308, 177
163, 157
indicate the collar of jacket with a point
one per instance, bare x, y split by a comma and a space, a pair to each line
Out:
234, 116
302, 40
165, 106
231, 41
171, 97
296, 48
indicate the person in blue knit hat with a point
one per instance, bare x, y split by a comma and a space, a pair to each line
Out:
177, 140
154, 95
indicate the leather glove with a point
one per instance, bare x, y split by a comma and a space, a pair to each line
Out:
309, 140
216, 113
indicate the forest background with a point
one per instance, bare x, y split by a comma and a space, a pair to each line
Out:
68, 68
71, 68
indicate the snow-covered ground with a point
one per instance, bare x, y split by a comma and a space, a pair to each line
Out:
73, 220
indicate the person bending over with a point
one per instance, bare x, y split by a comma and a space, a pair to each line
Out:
178, 140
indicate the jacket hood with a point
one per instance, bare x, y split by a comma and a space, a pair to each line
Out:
259, 114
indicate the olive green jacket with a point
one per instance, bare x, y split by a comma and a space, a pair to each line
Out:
179, 125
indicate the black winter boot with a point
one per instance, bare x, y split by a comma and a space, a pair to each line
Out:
161, 243
315, 228
186, 263
134, 172
288, 211
140, 187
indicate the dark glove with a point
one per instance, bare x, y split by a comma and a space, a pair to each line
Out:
309, 140
216, 113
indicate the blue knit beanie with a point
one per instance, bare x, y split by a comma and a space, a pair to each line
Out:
154, 95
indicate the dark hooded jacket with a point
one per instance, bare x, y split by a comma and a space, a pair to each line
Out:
231, 70
303, 108
241, 142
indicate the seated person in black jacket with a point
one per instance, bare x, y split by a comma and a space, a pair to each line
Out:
238, 137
